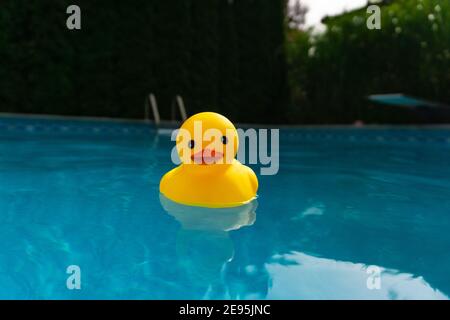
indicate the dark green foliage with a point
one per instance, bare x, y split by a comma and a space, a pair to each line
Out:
218, 54
204, 50
170, 22
229, 87
262, 60
333, 73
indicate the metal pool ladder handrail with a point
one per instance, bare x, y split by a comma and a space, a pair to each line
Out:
151, 102
179, 101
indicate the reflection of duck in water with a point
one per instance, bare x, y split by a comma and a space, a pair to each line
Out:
204, 246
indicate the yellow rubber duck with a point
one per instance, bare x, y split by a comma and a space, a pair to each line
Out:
209, 175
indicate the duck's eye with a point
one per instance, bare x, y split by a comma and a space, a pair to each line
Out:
191, 144
224, 140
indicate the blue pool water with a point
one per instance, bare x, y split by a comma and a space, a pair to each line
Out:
345, 204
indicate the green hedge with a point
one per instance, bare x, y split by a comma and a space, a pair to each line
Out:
219, 55
332, 73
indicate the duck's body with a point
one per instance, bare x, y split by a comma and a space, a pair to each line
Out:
213, 186
209, 175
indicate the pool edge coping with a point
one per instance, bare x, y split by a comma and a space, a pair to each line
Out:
166, 123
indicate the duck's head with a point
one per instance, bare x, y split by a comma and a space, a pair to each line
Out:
207, 138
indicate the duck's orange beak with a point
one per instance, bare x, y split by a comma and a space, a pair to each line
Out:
206, 156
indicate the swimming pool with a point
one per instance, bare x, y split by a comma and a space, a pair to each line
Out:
351, 214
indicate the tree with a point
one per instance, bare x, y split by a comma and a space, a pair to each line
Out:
297, 15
